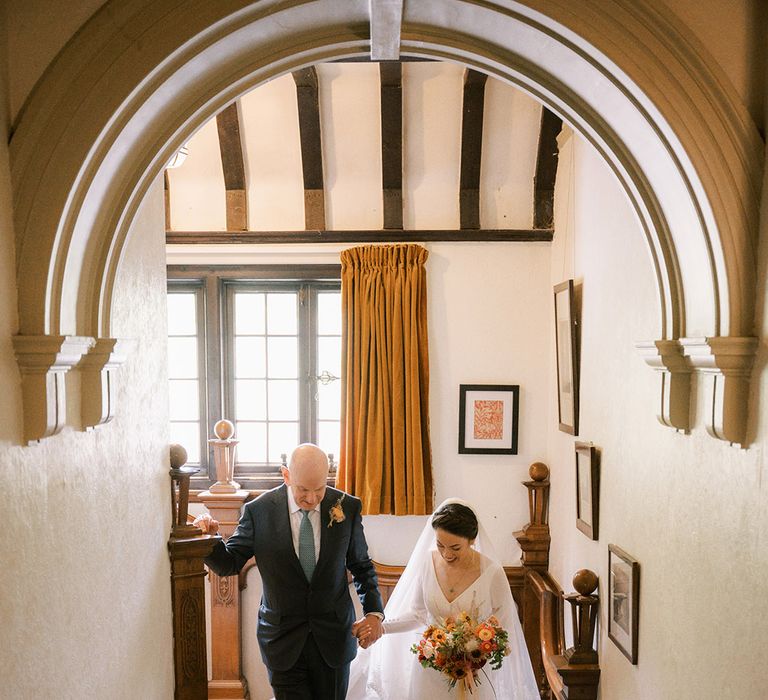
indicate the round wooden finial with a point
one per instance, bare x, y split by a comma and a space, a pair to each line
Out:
178, 456
585, 581
538, 471
224, 429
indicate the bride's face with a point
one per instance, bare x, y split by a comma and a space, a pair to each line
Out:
455, 550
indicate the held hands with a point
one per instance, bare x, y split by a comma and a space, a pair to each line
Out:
367, 630
207, 524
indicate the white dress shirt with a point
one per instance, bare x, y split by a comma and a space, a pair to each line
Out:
296, 516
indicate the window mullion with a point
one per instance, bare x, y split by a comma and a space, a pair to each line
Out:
306, 364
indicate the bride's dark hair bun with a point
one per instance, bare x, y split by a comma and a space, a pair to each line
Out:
456, 519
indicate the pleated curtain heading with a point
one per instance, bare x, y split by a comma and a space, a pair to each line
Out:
385, 450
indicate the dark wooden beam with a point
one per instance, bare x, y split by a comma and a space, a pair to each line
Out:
546, 170
167, 193
233, 163
471, 148
311, 147
371, 236
392, 143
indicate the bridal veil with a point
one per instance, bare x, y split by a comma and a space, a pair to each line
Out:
386, 670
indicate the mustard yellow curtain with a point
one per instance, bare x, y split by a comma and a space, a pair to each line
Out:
385, 452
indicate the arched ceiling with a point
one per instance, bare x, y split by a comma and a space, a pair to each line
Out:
360, 146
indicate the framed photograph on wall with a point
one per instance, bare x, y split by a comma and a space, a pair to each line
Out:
623, 601
587, 489
488, 417
566, 329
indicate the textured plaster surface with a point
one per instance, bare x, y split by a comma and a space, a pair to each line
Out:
86, 606
692, 510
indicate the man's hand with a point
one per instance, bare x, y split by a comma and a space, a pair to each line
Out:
367, 630
207, 524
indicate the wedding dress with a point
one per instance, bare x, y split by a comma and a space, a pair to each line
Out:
388, 670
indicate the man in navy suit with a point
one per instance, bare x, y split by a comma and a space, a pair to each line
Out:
304, 537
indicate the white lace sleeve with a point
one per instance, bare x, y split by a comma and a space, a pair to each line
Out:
502, 603
414, 617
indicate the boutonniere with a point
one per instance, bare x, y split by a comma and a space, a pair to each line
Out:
336, 513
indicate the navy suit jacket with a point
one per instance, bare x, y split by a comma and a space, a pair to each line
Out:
291, 606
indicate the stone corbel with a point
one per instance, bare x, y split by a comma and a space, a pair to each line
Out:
43, 361
98, 369
726, 366
668, 359
386, 24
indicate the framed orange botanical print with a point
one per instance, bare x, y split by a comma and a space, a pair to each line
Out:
488, 418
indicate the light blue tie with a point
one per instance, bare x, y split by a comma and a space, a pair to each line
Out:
307, 545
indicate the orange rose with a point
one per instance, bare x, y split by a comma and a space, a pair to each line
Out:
486, 647
485, 633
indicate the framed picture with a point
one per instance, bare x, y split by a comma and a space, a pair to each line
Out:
488, 419
623, 600
587, 489
566, 328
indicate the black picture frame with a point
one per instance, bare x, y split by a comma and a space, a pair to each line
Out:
623, 601
566, 345
587, 489
489, 426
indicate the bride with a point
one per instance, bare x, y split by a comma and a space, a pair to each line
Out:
452, 570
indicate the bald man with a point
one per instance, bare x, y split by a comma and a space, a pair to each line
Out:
304, 537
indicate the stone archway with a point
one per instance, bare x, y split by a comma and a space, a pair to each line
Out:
141, 76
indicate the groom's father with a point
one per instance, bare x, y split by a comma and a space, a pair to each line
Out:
304, 537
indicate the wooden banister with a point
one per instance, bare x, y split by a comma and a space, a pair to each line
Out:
187, 547
562, 674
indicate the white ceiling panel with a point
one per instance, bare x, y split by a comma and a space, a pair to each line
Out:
198, 200
350, 118
432, 104
270, 133
510, 141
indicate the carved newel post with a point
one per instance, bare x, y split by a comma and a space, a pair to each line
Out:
534, 538
578, 666
187, 548
224, 501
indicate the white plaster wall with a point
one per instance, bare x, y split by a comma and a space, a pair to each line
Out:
86, 606
692, 510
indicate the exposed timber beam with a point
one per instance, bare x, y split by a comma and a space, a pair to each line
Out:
368, 236
392, 143
167, 193
311, 147
471, 148
546, 169
386, 24
233, 163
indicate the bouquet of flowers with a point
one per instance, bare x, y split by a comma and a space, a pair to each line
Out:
459, 648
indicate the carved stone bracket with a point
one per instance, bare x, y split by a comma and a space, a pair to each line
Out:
386, 21
726, 364
666, 357
43, 361
98, 369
